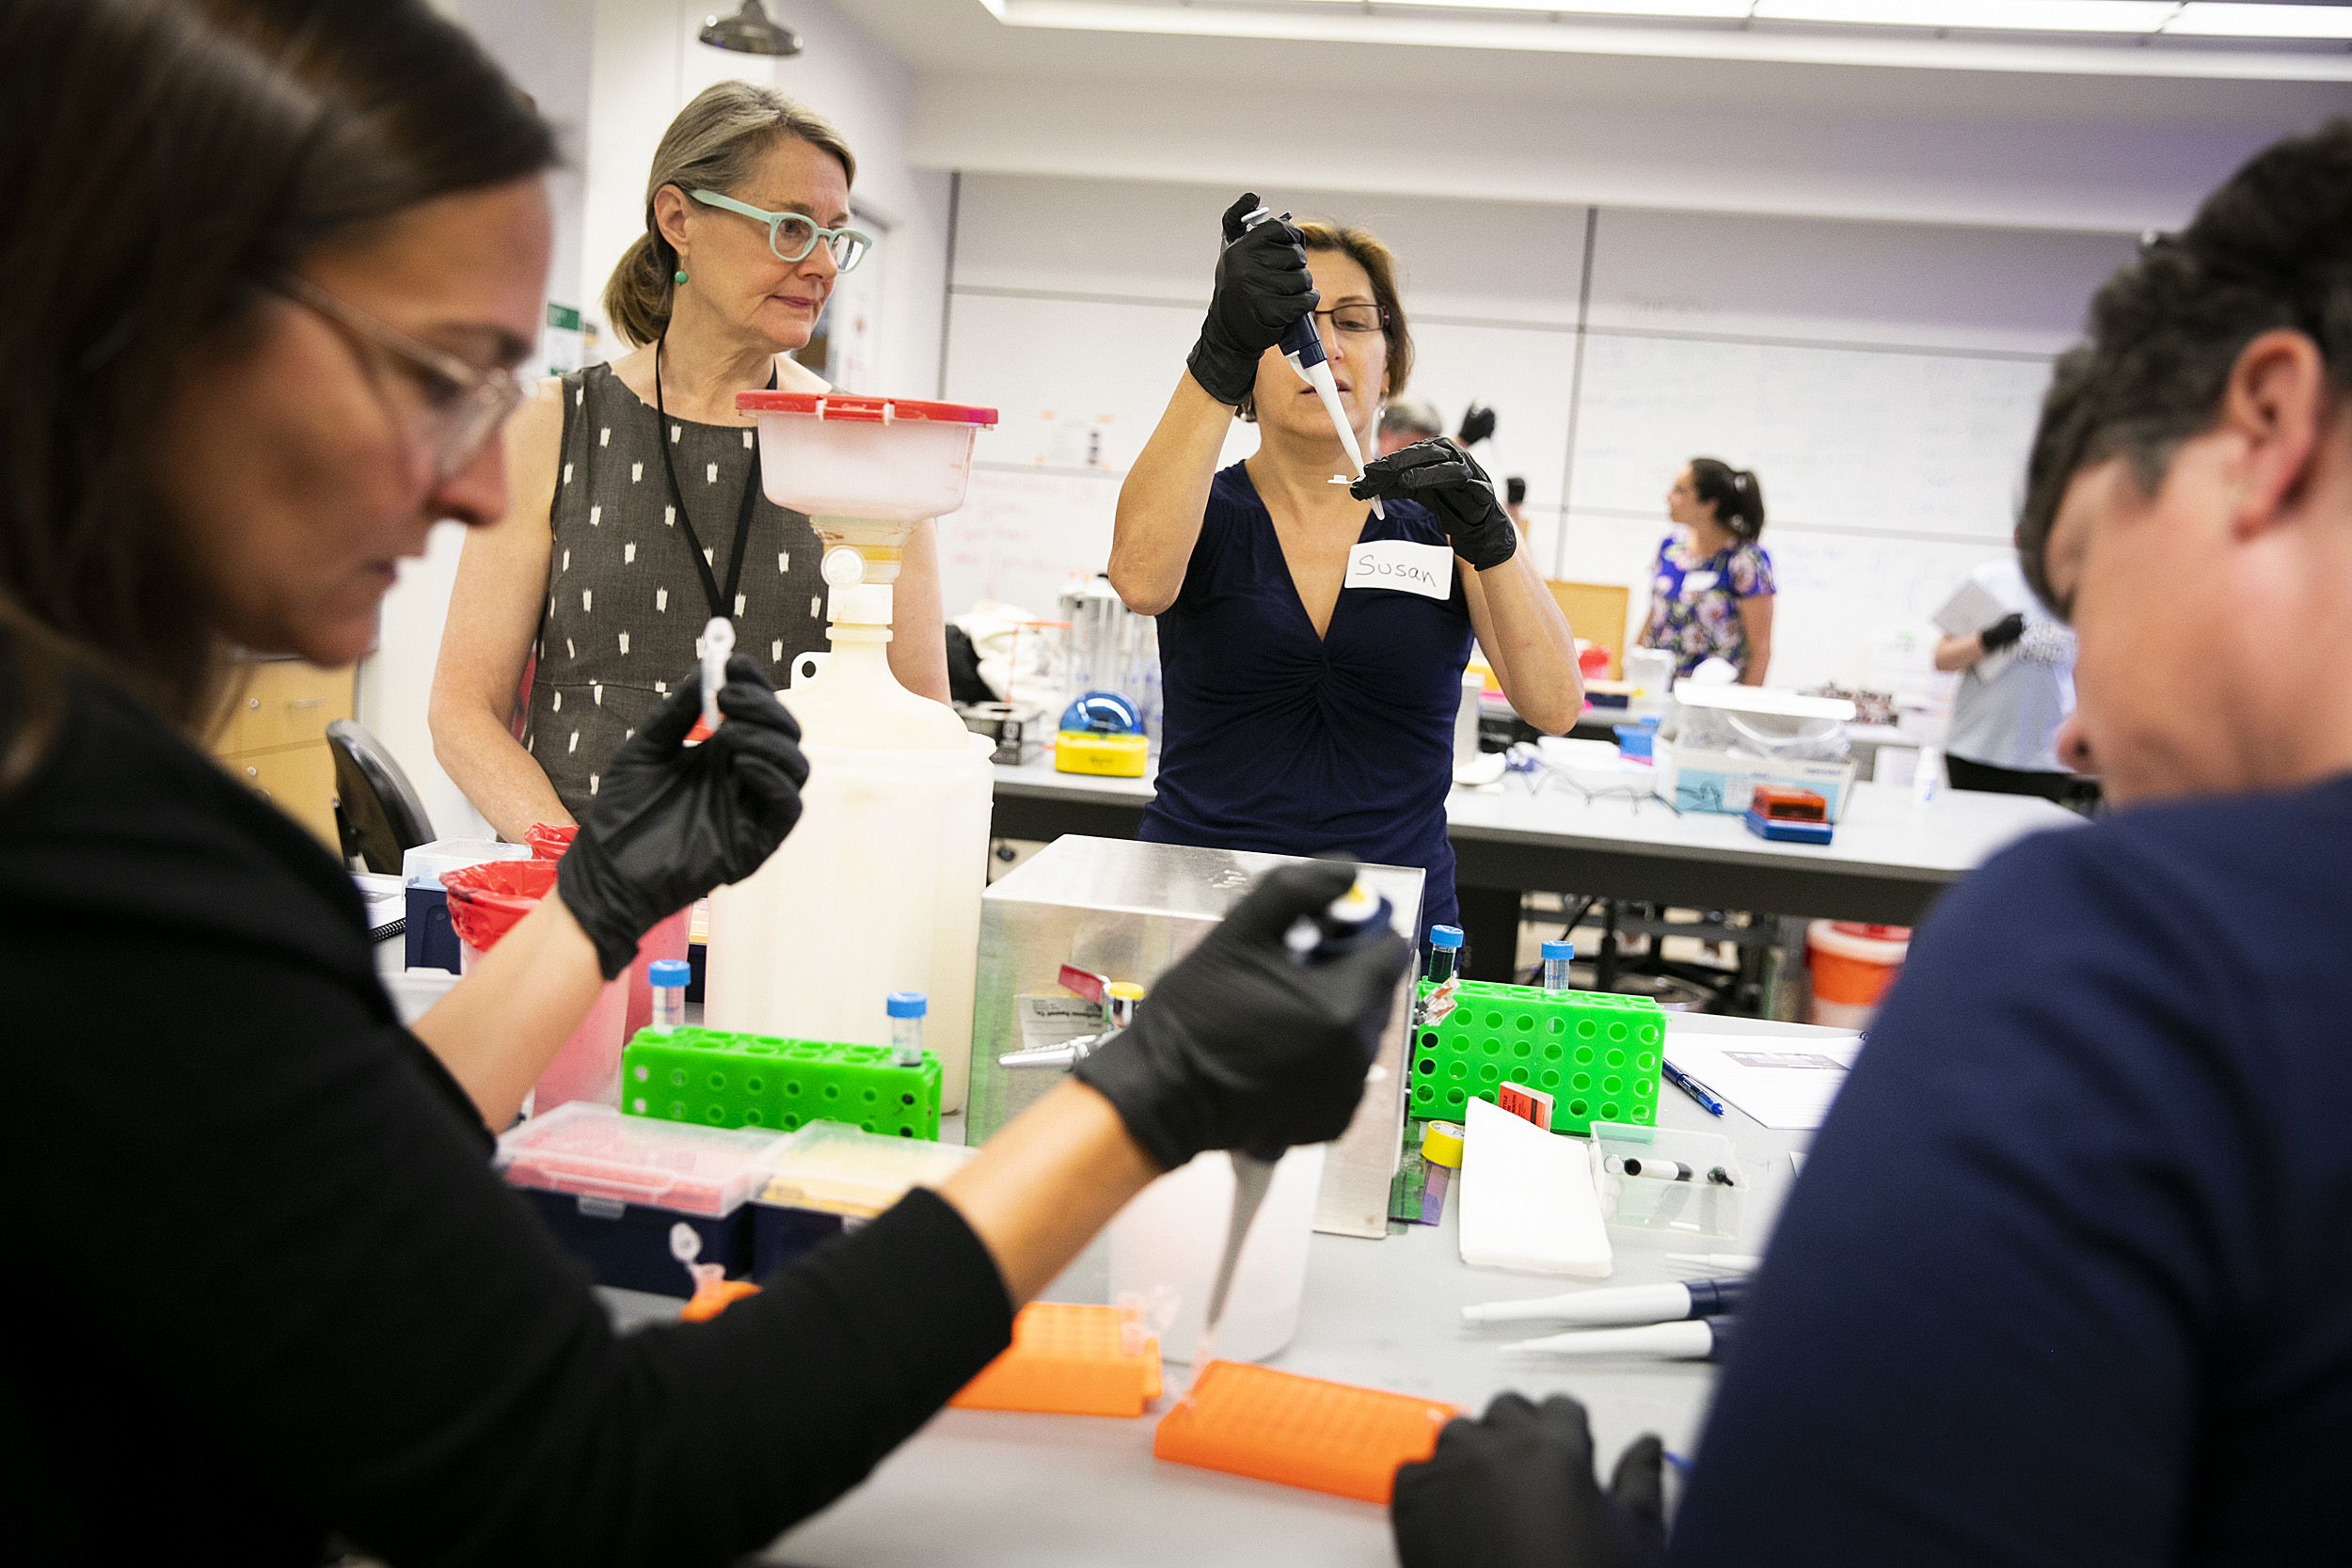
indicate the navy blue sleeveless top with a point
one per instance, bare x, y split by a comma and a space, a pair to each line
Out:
1277, 741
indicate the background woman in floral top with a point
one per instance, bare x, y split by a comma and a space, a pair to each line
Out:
1712, 590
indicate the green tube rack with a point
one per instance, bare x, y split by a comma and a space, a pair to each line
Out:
1596, 1053
721, 1079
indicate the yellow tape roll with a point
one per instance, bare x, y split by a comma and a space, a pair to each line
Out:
1441, 1145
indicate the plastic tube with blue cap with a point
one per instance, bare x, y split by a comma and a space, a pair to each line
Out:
1557, 956
1302, 346
667, 978
906, 1009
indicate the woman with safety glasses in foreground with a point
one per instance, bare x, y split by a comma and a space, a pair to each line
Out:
1312, 652
637, 511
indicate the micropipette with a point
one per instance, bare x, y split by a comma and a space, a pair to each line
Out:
718, 643
1349, 920
1619, 1305
1302, 346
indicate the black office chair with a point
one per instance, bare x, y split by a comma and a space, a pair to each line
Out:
378, 813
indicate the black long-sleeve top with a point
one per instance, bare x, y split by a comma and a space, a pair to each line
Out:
262, 1285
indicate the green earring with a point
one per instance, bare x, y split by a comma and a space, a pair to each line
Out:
678, 276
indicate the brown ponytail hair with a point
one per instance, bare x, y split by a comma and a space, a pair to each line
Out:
179, 153
712, 145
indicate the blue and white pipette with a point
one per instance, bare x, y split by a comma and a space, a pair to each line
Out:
1350, 921
1619, 1305
1302, 346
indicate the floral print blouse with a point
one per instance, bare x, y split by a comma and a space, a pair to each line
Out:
1694, 605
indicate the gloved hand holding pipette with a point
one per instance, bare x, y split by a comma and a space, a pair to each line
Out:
1516, 1489
1442, 477
673, 821
1262, 286
1239, 1045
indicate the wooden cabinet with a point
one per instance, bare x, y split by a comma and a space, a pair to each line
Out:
275, 737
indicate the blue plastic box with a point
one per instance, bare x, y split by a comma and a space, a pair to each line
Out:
611, 1189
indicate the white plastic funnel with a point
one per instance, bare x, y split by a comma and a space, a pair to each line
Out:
864, 468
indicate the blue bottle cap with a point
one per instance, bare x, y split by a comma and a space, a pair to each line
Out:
669, 972
906, 1003
1559, 950
1445, 936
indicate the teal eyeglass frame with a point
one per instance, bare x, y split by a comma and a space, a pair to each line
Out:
859, 242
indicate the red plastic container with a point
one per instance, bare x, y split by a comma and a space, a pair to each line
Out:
485, 903
666, 941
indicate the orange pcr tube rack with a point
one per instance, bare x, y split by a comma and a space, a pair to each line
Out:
1275, 1426
1070, 1361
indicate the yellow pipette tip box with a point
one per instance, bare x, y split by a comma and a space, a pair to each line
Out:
1118, 756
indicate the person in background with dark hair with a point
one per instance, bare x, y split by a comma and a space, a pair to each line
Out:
2006, 712
1711, 590
262, 1285
596, 585
2065, 1281
1313, 651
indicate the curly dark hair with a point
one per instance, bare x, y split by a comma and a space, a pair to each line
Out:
2272, 248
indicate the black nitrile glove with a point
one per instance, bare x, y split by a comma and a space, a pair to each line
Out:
673, 821
1448, 480
1477, 424
1262, 286
1515, 490
1242, 1046
2003, 632
1515, 1490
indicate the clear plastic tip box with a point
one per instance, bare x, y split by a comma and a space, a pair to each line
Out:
611, 1186
731, 1080
1595, 1052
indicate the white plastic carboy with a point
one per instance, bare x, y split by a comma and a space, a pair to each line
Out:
878, 889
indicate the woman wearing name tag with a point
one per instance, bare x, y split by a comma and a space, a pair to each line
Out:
1312, 652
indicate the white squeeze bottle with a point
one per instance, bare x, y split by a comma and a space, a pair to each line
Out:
878, 887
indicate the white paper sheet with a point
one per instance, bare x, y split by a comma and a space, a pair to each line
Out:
1526, 1199
1786, 1087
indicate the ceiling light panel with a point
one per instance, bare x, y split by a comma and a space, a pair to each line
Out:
1710, 10
2005, 16
2206, 19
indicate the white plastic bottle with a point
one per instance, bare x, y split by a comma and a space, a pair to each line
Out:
878, 889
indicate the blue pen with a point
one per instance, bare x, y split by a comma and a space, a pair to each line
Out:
1691, 1086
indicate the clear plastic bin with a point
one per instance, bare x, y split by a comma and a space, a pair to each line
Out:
1668, 1213
833, 1168
595, 1151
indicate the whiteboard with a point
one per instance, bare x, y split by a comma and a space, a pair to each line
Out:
1910, 443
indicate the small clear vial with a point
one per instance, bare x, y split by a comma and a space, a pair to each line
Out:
1445, 953
906, 1009
668, 977
1557, 956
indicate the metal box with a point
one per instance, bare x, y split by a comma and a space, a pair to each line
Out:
1128, 910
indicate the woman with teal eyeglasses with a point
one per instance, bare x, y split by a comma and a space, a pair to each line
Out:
638, 512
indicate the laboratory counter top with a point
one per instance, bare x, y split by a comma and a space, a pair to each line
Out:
985, 1489
1882, 834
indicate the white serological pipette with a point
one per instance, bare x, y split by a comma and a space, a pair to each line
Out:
1302, 346
718, 643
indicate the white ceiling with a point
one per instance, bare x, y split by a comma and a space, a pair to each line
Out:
960, 38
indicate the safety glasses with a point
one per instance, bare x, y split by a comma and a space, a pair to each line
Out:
792, 236
462, 407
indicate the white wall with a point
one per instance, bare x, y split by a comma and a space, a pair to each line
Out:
1882, 379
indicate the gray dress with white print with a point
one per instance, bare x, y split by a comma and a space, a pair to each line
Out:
625, 602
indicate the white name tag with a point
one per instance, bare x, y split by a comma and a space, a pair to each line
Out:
1401, 565
1695, 583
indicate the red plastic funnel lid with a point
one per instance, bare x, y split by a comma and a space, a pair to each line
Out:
863, 410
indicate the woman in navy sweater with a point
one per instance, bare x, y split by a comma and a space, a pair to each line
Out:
1312, 653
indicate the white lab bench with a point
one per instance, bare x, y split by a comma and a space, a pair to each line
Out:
986, 1489
1888, 862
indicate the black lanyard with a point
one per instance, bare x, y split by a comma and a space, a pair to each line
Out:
720, 607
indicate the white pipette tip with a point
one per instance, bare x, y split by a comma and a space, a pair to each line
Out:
718, 645
1690, 1340
1725, 1263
